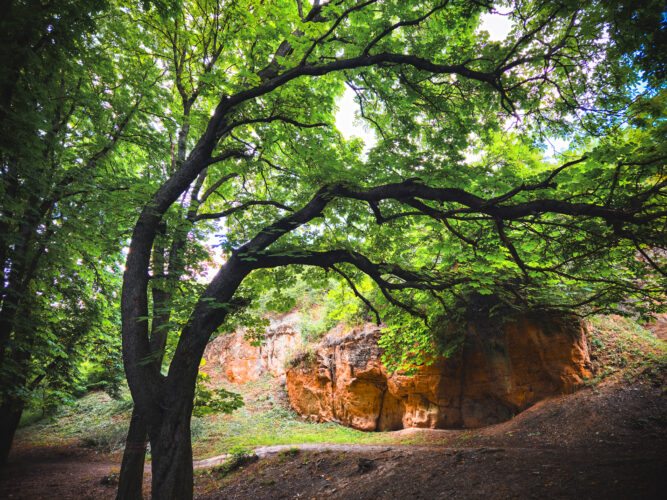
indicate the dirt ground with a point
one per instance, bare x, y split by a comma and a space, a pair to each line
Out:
606, 443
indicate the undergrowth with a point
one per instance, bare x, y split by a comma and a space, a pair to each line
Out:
267, 420
621, 347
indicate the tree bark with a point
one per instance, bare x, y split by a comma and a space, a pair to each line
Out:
10, 416
130, 486
171, 449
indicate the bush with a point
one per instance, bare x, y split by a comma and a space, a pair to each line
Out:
214, 401
240, 456
100, 377
199, 428
302, 357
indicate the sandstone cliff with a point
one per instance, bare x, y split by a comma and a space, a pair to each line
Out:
501, 370
241, 362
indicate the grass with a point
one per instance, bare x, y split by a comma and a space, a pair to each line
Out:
98, 421
621, 347
95, 420
266, 421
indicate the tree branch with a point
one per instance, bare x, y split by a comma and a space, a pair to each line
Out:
243, 206
359, 295
401, 24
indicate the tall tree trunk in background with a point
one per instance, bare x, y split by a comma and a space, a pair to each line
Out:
10, 416
12, 406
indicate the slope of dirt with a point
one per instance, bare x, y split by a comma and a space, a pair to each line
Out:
607, 443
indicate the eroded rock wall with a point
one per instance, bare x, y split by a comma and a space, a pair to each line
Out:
502, 369
242, 362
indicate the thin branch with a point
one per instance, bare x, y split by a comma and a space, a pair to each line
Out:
270, 119
359, 295
401, 24
216, 185
649, 260
510, 246
243, 206
333, 28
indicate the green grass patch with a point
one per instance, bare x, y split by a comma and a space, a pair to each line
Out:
95, 420
277, 426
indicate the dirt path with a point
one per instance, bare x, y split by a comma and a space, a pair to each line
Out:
483, 473
607, 443
263, 452
66, 472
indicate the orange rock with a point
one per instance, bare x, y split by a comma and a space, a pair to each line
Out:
241, 362
501, 370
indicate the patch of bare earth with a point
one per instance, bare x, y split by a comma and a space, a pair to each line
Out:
55, 472
603, 444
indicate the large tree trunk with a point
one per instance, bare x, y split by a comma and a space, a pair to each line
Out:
10, 416
130, 486
171, 450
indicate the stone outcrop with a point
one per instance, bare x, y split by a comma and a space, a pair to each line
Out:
242, 362
501, 369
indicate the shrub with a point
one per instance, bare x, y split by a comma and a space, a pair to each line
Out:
303, 356
215, 400
240, 456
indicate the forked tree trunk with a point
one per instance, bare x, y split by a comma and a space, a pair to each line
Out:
130, 485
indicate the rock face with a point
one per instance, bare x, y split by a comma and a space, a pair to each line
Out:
501, 370
241, 362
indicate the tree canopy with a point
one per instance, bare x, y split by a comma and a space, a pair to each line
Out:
218, 117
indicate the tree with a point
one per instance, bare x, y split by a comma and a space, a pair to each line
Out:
427, 225
67, 104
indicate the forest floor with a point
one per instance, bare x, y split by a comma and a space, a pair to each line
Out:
608, 440
604, 442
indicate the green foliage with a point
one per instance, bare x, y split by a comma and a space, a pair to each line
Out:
107, 436
96, 421
68, 193
260, 426
303, 357
322, 300
103, 102
240, 457
217, 400
622, 347
101, 376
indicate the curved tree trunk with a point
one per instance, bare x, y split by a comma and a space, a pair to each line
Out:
130, 485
